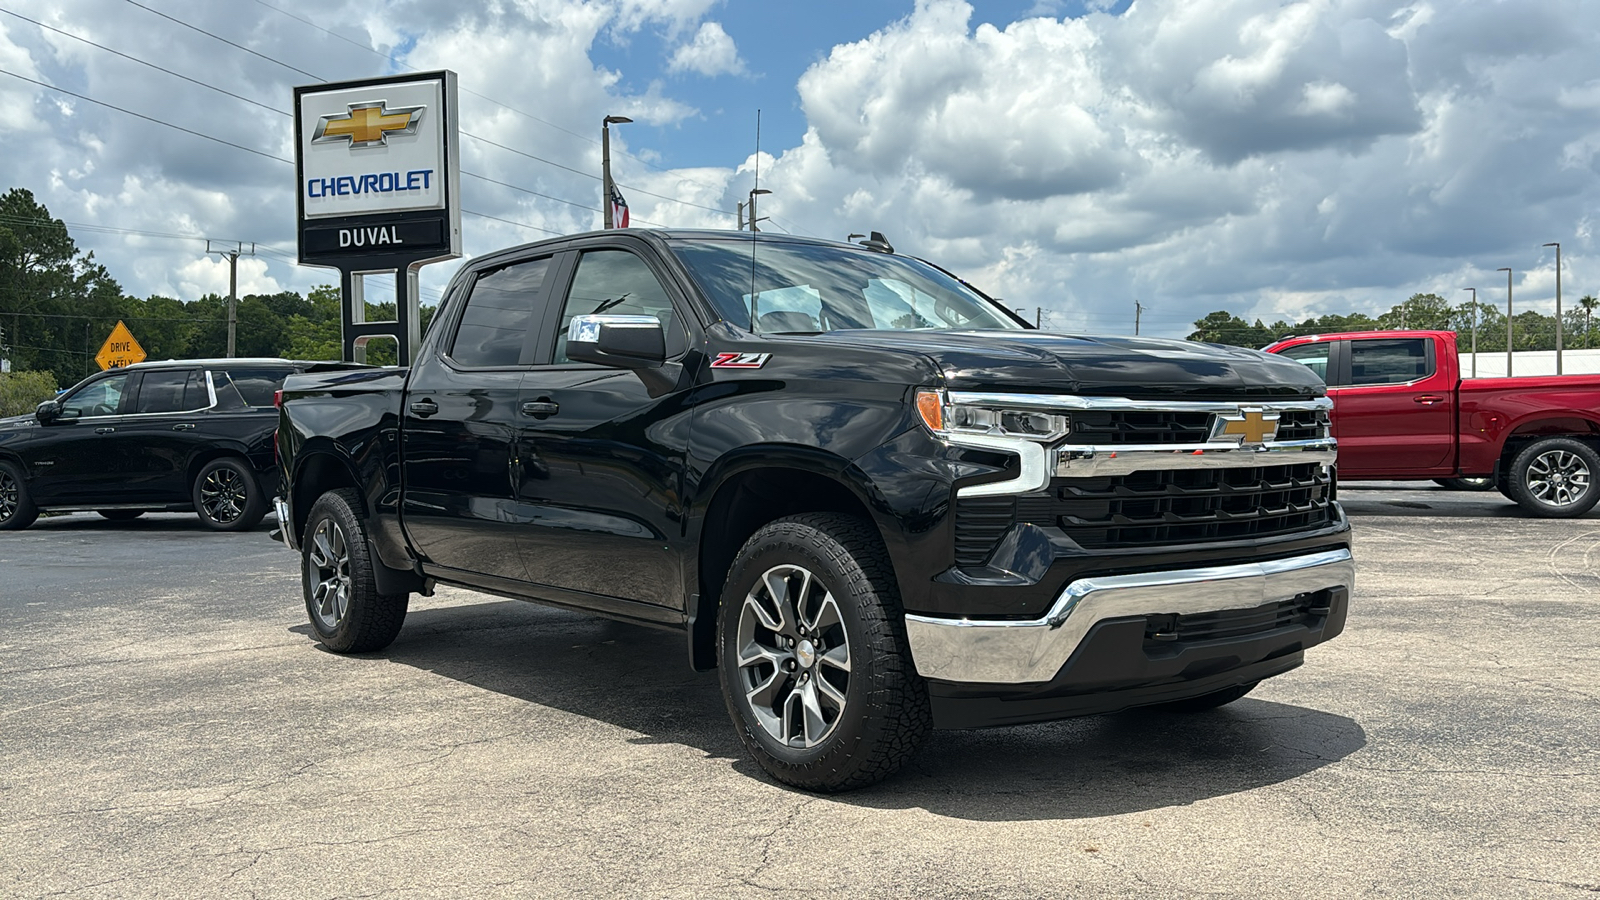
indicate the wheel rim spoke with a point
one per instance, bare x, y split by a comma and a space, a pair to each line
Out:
328, 567
9, 499
793, 657
1558, 478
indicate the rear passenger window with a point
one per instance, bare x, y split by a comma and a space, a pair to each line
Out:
247, 388
499, 313
1389, 361
170, 392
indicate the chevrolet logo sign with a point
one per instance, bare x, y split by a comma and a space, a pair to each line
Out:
367, 125
1249, 426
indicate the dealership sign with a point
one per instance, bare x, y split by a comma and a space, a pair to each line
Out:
377, 172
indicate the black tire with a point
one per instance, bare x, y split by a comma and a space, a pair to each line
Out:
1555, 478
885, 714
227, 496
335, 556
1479, 483
16, 506
1207, 701
120, 515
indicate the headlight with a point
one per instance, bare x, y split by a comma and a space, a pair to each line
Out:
943, 417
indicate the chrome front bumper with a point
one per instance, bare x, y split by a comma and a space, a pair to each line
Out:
988, 651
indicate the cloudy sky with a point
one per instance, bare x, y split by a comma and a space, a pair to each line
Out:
1277, 159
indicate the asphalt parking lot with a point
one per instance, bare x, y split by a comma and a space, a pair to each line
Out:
168, 729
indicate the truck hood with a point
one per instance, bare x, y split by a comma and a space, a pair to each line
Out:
1044, 362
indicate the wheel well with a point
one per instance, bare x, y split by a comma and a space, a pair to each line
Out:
741, 506
204, 459
319, 474
1578, 429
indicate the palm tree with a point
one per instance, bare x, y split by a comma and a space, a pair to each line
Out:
1588, 303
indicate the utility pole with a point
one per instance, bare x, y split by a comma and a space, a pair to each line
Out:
1038, 317
605, 165
741, 215
1508, 320
1138, 311
232, 256
1474, 330
754, 192
1557, 245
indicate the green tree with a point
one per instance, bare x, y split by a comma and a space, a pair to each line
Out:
20, 392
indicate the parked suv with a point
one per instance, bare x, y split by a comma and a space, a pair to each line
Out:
169, 436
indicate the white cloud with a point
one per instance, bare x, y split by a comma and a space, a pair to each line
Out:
710, 52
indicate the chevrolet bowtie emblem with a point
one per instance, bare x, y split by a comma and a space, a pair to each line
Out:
1249, 426
367, 125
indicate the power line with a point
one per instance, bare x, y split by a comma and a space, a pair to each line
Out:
224, 40
130, 112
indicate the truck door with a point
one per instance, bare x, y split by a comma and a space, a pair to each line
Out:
1393, 413
601, 458
461, 420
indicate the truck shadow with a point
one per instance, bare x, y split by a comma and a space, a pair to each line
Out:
1425, 499
636, 679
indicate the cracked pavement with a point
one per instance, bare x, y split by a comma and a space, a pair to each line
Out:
168, 729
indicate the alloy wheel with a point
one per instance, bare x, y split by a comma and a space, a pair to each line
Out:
1558, 477
223, 495
329, 556
10, 496
793, 656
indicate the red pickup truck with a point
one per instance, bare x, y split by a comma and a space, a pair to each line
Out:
1401, 410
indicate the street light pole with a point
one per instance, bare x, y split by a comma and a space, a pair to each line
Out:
605, 165
1138, 310
1474, 330
1557, 245
1508, 320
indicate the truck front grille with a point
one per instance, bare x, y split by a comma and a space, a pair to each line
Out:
1153, 508
1140, 427
1184, 506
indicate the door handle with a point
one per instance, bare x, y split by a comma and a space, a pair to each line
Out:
183, 426
1428, 399
540, 409
424, 408
104, 430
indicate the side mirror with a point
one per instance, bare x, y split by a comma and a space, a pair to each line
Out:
625, 342
48, 411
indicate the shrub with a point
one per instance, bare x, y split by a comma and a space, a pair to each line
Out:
20, 392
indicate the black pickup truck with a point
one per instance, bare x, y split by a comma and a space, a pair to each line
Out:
872, 498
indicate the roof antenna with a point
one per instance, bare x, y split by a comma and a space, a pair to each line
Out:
754, 328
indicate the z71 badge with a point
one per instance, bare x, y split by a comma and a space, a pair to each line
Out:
740, 360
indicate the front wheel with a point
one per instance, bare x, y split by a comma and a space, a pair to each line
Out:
227, 496
16, 505
347, 612
1556, 478
813, 656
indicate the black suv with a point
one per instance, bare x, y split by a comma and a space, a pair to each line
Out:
176, 435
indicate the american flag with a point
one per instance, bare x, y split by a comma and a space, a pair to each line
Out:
619, 209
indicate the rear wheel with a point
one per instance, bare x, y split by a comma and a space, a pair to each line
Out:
813, 658
1207, 701
121, 515
227, 496
347, 612
1556, 478
16, 506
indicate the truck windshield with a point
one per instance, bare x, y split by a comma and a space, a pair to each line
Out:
798, 288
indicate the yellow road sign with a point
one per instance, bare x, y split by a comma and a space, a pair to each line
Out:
120, 349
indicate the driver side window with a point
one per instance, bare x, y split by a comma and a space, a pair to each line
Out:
618, 283
103, 398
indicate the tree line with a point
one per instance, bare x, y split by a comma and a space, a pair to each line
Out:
1531, 330
58, 305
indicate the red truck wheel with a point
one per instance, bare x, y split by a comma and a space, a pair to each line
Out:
1556, 478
